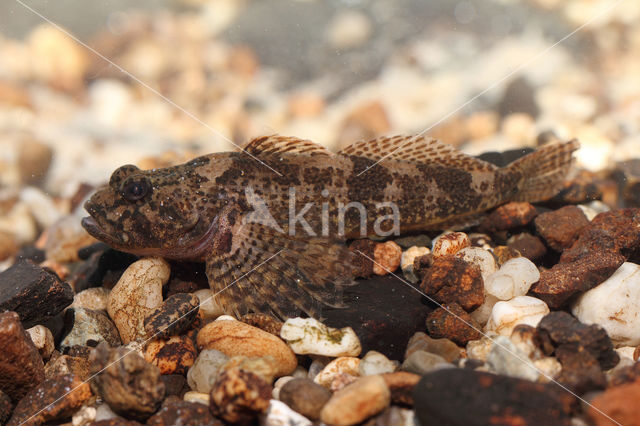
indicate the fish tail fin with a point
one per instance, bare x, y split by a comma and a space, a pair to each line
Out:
543, 171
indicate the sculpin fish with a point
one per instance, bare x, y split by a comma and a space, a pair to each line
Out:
274, 242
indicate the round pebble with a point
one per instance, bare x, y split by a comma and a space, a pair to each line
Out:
310, 336
519, 310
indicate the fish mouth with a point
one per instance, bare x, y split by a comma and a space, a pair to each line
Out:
92, 227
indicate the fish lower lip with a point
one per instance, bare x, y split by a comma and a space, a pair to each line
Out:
92, 227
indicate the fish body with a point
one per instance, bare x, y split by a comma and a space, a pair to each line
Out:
272, 231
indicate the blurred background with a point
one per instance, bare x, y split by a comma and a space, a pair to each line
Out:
88, 86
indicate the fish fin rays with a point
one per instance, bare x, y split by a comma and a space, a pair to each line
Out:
415, 149
272, 272
543, 171
276, 144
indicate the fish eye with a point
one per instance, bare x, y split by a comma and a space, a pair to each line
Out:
136, 188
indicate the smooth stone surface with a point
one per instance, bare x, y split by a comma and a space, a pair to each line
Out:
35, 294
21, 366
92, 298
279, 414
449, 243
421, 362
507, 359
202, 375
236, 338
305, 397
514, 278
136, 295
88, 328
443, 347
130, 385
345, 365
42, 339
310, 336
465, 397
620, 315
376, 363
357, 402
505, 316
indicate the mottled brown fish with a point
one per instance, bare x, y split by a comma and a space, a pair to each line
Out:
279, 237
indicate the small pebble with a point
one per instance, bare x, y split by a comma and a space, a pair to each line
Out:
452, 279
174, 355
407, 259
199, 397
506, 358
357, 402
561, 228
275, 393
514, 278
65, 238
342, 365
239, 396
136, 295
450, 243
184, 413
88, 328
376, 363
65, 364
479, 349
237, 338
480, 257
387, 257
305, 397
422, 362
204, 371
265, 367
349, 29
401, 385
279, 414
620, 315
443, 347
209, 308
92, 298
174, 316
452, 322
310, 336
519, 310
42, 339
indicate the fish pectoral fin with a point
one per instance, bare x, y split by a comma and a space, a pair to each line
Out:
416, 149
272, 272
276, 144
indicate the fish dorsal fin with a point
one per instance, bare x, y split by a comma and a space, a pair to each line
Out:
276, 144
415, 149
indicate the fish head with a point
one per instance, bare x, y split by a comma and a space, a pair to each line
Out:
160, 212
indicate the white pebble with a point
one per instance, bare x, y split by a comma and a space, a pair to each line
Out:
310, 336
450, 243
204, 371
506, 358
480, 349
626, 352
84, 416
407, 259
279, 414
339, 366
137, 293
513, 279
92, 298
208, 306
483, 312
376, 363
42, 339
614, 305
226, 318
199, 397
480, 257
549, 368
519, 310
593, 208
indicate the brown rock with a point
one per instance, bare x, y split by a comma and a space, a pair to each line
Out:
264, 322
442, 347
66, 364
175, 384
561, 228
362, 261
558, 329
21, 367
560, 283
581, 371
305, 397
239, 396
505, 253
386, 257
5, 407
236, 338
357, 402
620, 403
454, 280
266, 367
527, 245
183, 413
130, 386
35, 294
615, 231
453, 323
401, 385
34, 159
173, 355
54, 399
116, 421
173, 317
421, 265
627, 374
467, 397
508, 216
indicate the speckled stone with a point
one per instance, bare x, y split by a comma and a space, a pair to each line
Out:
172, 317
183, 413
88, 328
239, 396
305, 397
